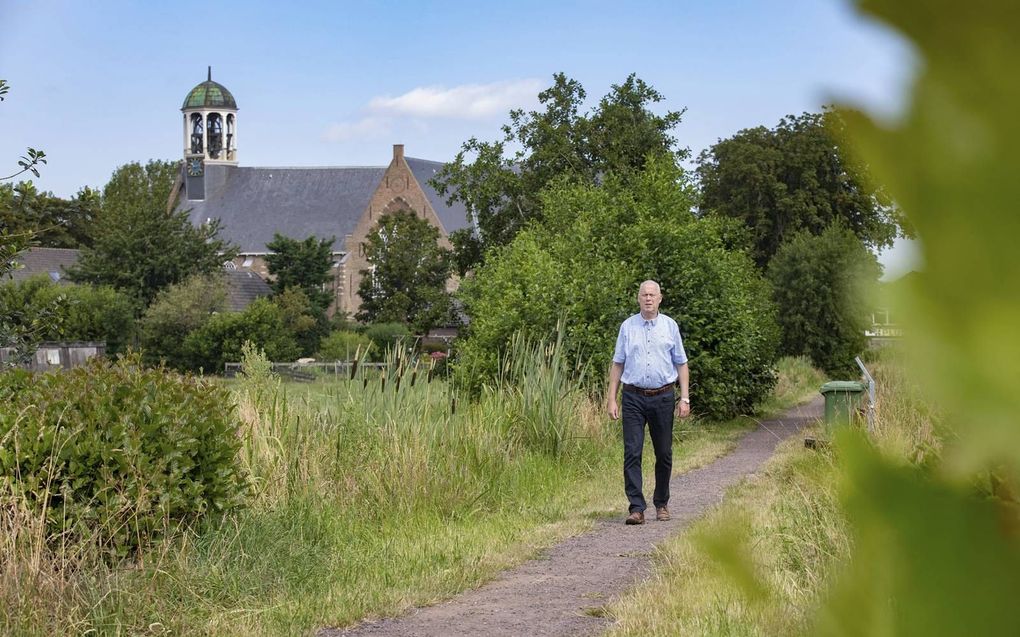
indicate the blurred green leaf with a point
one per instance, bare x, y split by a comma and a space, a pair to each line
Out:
930, 559
951, 163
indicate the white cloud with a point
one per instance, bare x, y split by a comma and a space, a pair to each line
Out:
468, 101
365, 128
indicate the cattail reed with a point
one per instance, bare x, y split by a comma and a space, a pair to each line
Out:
354, 363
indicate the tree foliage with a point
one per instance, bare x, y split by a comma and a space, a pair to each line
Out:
178, 310
796, 176
502, 191
55, 222
303, 265
582, 265
221, 339
343, 345
70, 312
407, 279
305, 321
384, 337
822, 286
140, 245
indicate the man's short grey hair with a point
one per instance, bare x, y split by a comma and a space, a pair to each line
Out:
651, 283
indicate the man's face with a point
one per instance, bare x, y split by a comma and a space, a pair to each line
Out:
649, 298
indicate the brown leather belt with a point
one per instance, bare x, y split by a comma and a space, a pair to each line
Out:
647, 392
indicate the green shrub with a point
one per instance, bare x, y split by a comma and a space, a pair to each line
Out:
117, 453
821, 285
305, 320
222, 337
385, 336
344, 346
87, 313
176, 312
584, 264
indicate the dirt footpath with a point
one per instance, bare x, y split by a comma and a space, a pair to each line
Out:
556, 593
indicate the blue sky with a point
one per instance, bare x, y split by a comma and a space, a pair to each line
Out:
99, 84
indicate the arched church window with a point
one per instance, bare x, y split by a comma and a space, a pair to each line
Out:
196, 133
215, 135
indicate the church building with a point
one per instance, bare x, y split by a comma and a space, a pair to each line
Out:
253, 203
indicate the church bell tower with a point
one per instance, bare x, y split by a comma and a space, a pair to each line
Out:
210, 133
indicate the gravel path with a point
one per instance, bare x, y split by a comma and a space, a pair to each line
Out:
550, 595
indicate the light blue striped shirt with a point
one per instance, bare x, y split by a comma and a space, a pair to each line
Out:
649, 351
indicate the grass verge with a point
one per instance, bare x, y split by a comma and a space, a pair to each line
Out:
761, 563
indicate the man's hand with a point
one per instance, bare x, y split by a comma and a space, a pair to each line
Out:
683, 409
613, 408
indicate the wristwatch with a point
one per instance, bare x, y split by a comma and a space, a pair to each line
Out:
686, 400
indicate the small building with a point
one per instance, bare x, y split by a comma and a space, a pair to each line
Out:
243, 287
50, 262
58, 355
254, 203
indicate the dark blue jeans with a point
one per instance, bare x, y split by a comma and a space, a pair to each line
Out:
657, 412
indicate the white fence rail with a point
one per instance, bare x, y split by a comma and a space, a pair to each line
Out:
309, 371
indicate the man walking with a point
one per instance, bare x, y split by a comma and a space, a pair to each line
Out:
649, 359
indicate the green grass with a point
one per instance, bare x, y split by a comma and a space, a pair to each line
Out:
762, 562
367, 500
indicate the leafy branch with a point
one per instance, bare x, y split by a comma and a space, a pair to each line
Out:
33, 158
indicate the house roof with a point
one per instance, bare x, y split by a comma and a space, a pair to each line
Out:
243, 287
51, 262
452, 217
255, 203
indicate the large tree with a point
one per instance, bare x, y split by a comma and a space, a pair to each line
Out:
581, 267
141, 245
55, 222
795, 177
304, 265
407, 280
822, 285
501, 190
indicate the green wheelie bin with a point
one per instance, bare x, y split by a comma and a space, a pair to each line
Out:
842, 400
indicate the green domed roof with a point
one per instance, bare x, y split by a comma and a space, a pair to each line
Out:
209, 94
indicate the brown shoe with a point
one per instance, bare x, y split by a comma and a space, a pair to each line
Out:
636, 517
662, 514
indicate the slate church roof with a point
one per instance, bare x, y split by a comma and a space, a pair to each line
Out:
254, 203
453, 217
